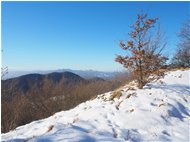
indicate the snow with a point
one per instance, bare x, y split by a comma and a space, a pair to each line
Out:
158, 112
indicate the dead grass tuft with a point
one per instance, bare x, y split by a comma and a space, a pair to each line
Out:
117, 106
161, 104
116, 94
128, 96
50, 128
132, 110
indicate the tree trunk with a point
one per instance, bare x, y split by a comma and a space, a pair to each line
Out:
140, 83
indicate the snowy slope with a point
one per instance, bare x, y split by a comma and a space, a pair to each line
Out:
159, 112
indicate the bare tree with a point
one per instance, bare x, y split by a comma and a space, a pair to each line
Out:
182, 55
4, 70
153, 58
144, 52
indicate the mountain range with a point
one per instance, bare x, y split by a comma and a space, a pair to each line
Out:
83, 73
56, 83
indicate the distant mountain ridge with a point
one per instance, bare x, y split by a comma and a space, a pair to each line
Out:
83, 73
55, 82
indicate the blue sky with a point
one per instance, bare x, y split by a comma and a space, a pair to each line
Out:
78, 35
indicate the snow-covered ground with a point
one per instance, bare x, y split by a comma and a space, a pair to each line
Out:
159, 112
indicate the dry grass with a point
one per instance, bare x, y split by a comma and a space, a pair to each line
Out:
75, 120
50, 128
132, 110
128, 96
117, 106
180, 76
161, 104
116, 94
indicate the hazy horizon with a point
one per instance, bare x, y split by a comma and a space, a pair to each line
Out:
31, 70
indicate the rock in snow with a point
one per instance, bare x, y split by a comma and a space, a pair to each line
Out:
158, 112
